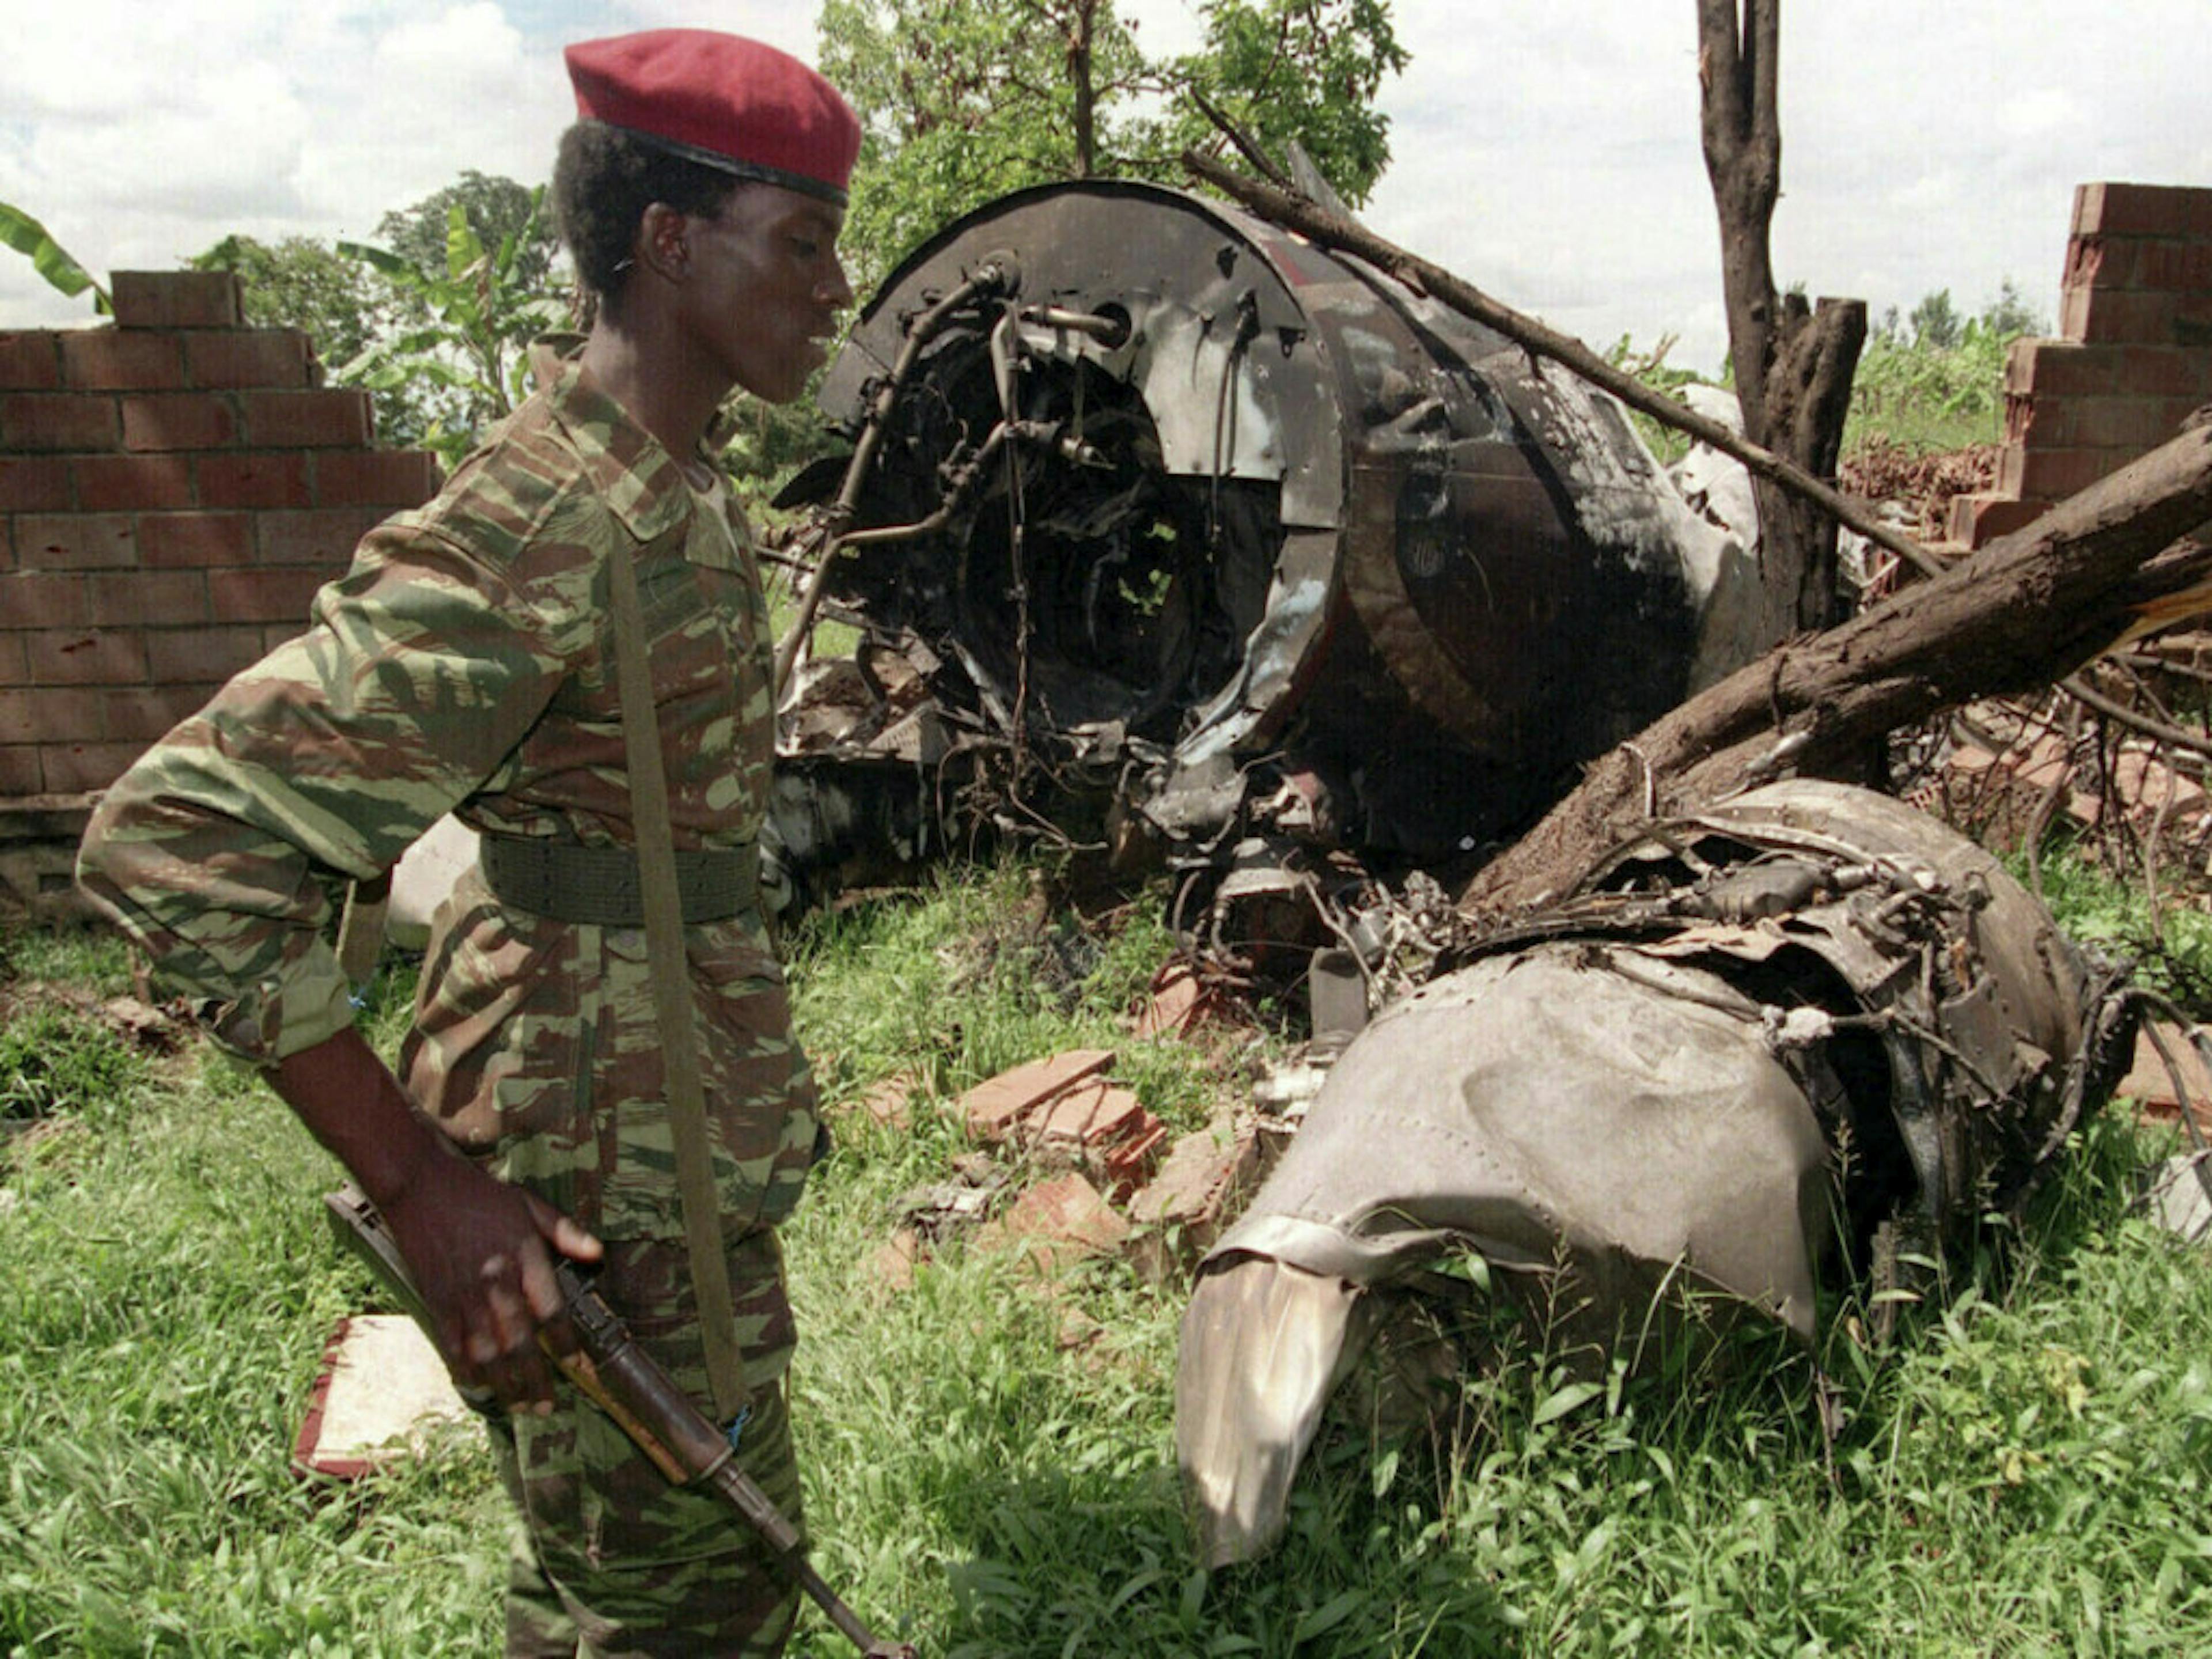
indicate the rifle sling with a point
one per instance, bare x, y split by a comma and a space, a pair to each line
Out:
671, 969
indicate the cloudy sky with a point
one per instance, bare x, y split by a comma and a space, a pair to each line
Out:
1546, 150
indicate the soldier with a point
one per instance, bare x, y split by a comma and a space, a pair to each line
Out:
468, 661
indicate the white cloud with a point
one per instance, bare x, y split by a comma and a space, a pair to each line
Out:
1548, 152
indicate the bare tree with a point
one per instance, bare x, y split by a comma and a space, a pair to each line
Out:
1793, 364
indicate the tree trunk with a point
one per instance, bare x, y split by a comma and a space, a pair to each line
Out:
2022, 613
1793, 364
1087, 95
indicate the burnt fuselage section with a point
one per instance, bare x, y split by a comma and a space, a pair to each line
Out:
1214, 509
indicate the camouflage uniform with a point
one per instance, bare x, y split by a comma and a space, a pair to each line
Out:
466, 662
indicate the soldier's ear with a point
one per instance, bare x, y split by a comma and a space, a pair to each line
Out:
663, 244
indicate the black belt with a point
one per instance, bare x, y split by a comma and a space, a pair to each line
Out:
599, 886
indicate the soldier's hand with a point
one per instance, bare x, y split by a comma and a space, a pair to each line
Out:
479, 1249
480, 1253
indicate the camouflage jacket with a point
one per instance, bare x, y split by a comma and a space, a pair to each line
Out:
465, 662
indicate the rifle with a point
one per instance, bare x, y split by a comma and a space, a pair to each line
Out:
630, 1387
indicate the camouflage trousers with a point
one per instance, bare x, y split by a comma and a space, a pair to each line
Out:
610, 1561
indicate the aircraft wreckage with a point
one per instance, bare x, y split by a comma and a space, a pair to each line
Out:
1804, 1039
1266, 547
1239, 532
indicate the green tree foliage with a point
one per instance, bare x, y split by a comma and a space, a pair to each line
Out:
435, 323
19, 231
962, 101
1935, 322
496, 209
2010, 314
300, 282
1307, 71
465, 323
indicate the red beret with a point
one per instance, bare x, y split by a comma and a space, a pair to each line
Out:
723, 101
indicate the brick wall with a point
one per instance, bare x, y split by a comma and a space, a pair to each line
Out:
2136, 355
173, 490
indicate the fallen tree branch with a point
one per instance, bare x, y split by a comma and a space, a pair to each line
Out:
1317, 224
2196, 743
2020, 613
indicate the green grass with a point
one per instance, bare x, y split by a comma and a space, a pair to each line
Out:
2028, 1472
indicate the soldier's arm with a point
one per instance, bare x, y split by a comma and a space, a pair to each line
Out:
423, 668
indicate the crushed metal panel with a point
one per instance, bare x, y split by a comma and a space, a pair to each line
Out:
1647, 1088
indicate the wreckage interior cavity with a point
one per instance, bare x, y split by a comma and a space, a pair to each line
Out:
1186, 491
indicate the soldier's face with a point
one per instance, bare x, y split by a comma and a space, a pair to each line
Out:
766, 286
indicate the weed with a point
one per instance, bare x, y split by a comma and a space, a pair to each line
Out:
54, 1060
2022, 1472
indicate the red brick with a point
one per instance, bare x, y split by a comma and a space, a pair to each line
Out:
2098, 262
2061, 367
893, 1264
181, 655
2192, 320
2165, 372
2174, 267
1976, 519
1186, 1206
1057, 1223
14, 661
75, 768
34, 484
31, 361
1181, 1001
180, 420
276, 634
2135, 423
75, 658
259, 479
56, 420
376, 478
325, 536
144, 598
19, 773
2130, 319
106, 483
1126, 1164
35, 599
240, 358
2121, 210
112, 360
992, 1108
2042, 422
888, 1101
307, 420
172, 540
175, 299
53, 715
1090, 1115
2055, 474
2073, 312
75, 541
2174, 411
145, 713
264, 595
